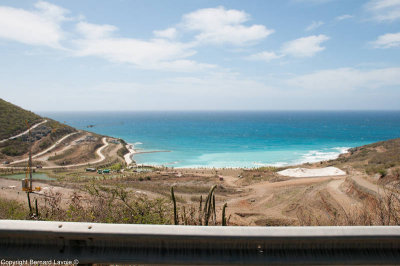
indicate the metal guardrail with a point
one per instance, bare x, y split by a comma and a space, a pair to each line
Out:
168, 244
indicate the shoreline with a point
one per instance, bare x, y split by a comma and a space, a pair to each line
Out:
129, 156
199, 167
132, 151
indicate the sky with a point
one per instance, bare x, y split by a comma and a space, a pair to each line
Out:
124, 55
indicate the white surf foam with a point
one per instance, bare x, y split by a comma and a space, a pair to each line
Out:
322, 155
277, 164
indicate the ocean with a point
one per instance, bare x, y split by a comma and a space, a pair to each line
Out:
238, 139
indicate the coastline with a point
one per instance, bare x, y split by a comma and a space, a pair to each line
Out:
342, 150
132, 151
240, 140
129, 156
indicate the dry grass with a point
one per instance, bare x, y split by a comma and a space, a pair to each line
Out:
107, 205
382, 210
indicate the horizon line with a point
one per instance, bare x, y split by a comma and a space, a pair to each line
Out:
226, 110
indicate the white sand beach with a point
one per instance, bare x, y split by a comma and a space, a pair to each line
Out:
128, 156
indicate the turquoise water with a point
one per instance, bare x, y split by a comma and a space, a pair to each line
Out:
239, 139
35, 176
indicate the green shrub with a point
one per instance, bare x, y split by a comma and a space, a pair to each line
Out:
12, 210
116, 167
45, 144
15, 147
382, 172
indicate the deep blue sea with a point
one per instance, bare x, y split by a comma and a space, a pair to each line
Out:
238, 139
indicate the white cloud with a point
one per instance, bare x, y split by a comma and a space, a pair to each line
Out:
343, 79
388, 40
314, 25
38, 27
305, 47
169, 33
223, 26
94, 31
343, 17
152, 54
384, 10
264, 56
51, 11
302, 47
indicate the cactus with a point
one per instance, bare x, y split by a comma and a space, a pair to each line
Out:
184, 219
214, 211
201, 201
174, 201
36, 209
29, 204
207, 205
223, 214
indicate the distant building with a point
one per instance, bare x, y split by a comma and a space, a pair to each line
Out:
114, 141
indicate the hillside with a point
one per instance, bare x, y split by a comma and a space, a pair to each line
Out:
53, 144
12, 119
380, 158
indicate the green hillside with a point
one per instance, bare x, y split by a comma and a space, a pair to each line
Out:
12, 122
12, 119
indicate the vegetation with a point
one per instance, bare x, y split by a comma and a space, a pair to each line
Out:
44, 144
375, 158
380, 159
261, 174
58, 130
191, 215
63, 154
15, 147
12, 210
174, 202
114, 204
116, 167
379, 210
106, 205
122, 151
13, 119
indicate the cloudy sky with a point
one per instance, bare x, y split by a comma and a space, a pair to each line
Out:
200, 55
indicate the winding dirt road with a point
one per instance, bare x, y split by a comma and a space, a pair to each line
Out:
25, 132
98, 152
46, 150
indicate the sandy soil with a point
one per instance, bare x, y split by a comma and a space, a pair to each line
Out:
262, 203
305, 172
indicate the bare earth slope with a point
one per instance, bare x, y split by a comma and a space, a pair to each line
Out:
53, 144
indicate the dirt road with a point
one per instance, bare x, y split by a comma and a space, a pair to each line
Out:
46, 150
98, 152
25, 132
